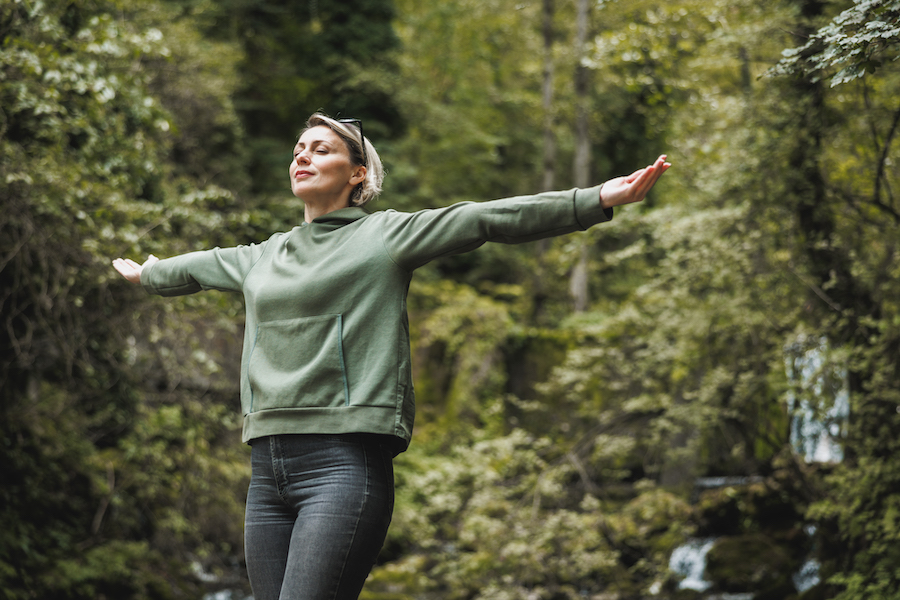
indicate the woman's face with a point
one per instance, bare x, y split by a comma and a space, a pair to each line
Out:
321, 170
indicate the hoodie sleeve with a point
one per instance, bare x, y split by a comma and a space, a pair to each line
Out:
414, 239
218, 269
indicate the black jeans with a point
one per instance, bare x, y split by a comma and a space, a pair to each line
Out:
318, 511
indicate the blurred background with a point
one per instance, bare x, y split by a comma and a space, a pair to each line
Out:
697, 400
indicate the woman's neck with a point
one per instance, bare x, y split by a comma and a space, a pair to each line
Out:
314, 210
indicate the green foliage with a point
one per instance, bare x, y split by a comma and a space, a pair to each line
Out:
847, 230
684, 369
858, 41
93, 123
300, 57
680, 368
499, 518
555, 454
470, 90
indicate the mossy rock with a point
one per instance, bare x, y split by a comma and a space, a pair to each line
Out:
751, 563
760, 506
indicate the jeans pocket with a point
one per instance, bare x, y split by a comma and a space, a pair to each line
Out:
298, 363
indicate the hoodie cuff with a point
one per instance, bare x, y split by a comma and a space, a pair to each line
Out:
145, 280
588, 211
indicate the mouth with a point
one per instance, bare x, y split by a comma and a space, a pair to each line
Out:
302, 174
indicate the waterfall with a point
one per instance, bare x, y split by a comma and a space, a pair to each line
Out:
813, 436
227, 595
689, 561
815, 433
807, 576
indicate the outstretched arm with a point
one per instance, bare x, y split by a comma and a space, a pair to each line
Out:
221, 269
131, 270
634, 187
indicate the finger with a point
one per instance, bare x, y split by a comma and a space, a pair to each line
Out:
648, 183
659, 167
645, 183
663, 164
122, 268
636, 175
659, 162
662, 167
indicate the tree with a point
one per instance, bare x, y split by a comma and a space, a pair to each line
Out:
581, 175
859, 41
300, 57
547, 32
848, 269
120, 463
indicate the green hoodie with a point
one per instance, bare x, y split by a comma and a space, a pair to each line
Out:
326, 342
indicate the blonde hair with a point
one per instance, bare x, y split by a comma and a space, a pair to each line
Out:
370, 187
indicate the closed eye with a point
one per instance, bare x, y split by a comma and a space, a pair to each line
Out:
319, 147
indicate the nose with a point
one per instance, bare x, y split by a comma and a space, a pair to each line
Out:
302, 157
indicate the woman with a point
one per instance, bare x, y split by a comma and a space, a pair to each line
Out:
326, 386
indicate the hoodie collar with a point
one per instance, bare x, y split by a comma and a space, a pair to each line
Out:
340, 217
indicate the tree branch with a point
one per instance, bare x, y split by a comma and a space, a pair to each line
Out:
879, 174
818, 291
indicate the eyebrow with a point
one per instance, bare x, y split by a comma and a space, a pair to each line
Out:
312, 143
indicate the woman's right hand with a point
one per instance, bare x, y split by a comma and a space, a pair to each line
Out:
634, 187
130, 270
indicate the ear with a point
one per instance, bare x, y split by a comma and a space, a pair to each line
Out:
359, 175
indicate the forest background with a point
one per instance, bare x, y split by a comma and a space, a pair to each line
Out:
571, 393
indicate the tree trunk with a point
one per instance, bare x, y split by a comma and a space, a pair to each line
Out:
581, 175
549, 181
853, 316
582, 167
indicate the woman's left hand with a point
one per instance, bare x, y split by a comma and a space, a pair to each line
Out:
634, 187
131, 270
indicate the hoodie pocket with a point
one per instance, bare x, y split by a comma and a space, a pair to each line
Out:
298, 363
